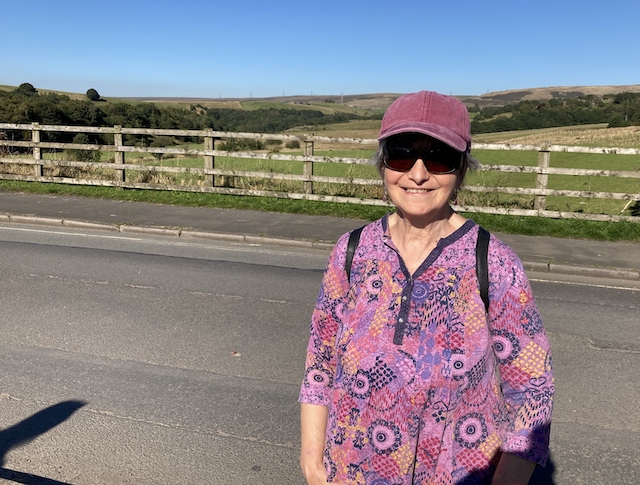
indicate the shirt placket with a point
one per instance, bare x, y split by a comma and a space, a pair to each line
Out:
403, 314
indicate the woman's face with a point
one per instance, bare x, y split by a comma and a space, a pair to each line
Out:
418, 193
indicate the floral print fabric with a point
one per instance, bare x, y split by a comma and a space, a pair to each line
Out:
421, 388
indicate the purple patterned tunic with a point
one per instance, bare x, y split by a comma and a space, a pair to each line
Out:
421, 388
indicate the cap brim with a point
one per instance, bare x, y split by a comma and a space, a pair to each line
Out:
435, 131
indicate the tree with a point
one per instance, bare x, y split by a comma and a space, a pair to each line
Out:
26, 88
93, 95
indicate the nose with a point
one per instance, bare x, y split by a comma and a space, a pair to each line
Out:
419, 172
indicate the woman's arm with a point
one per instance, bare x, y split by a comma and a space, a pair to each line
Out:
317, 386
521, 348
313, 427
513, 470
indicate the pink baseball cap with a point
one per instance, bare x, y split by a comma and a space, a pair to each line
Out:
442, 117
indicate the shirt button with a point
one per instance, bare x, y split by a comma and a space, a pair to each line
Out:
401, 320
404, 298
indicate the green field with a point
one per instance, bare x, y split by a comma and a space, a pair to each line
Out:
592, 136
483, 178
326, 108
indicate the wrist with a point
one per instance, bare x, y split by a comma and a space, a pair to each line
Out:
314, 472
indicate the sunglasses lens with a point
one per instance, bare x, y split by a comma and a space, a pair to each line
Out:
439, 168
437, 161
442, 162
400, 164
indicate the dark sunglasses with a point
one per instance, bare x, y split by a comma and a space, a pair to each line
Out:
438, 161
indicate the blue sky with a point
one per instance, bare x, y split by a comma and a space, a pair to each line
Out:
243, 48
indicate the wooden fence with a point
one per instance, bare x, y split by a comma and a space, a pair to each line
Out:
117, 172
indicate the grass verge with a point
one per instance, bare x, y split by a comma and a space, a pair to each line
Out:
532, 226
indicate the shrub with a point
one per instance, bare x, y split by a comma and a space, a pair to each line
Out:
159, 142
82, 155
93, 95
239, 144
27, 89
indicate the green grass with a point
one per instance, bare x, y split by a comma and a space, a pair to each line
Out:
326, 108
563, 228
558, 182
484, 178
535, 226
255, 105
508, 224
351, 129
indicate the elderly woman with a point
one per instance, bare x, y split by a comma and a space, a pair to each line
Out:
409, 378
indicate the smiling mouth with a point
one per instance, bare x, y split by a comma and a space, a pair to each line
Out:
417, 191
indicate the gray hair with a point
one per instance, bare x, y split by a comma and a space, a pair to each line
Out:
381, 154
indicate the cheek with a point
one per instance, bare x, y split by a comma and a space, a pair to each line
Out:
390, 177
451, 182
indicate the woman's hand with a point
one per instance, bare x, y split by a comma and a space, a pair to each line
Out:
315, 474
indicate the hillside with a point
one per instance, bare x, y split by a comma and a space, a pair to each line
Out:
560, 115
500, 98
380, 101
371, 101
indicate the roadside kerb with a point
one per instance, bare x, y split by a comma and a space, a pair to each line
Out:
621, 274
90, 225
613, 273
160, 231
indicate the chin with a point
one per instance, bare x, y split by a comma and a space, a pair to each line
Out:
430, 212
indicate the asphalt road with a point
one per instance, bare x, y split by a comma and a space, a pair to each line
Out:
138, 359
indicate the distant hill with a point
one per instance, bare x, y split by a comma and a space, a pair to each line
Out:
377, 101
500, 98
381, 101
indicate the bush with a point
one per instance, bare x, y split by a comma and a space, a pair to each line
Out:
27, 89
239, 144
82, 155
93, 95
160, 142
617, 121
293, 144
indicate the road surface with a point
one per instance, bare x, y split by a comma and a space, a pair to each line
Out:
147, 360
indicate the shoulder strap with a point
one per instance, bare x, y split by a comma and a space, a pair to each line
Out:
482, 266
354, 239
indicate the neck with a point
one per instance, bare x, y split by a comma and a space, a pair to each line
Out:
414, 241
429, 227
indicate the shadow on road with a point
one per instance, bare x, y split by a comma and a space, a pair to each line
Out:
544, 476
29, 429
541, 475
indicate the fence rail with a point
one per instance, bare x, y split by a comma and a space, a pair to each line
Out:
117, 172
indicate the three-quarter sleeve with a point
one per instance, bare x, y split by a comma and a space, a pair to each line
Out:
523, 356
320, 365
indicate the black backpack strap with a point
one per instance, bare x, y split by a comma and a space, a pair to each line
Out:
482, 265
354, 239
482, 255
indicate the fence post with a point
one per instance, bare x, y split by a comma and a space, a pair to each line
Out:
118, 156
307, 169
542, 179
37, 151
209, 160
